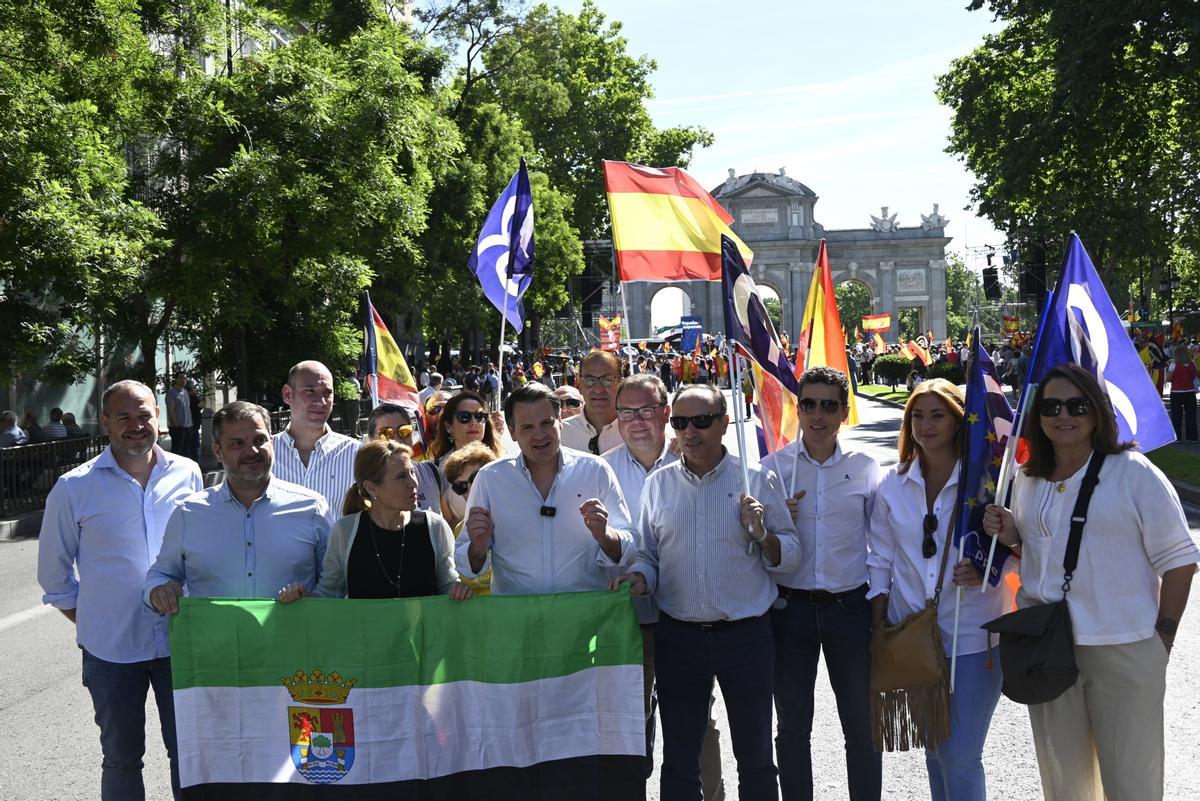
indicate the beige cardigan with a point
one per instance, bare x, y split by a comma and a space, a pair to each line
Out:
341, 539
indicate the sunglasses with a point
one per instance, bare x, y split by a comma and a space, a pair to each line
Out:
462, 487
644, 412
467, 417
700, 421
829, 406
602, 380
1076, 407
574, 403
435, 409
928, 546
389, 433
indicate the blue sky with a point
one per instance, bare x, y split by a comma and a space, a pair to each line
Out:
841, 94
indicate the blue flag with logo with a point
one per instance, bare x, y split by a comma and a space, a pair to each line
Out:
503, 256
988, 424
1083, 327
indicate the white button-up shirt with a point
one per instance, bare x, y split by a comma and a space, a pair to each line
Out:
696, 559
577, 432
1135, 532
632, 478
834, 513
99, 521
330, 469
535, 553
898, 568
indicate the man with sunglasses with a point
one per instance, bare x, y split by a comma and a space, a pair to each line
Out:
642, 412
710, 554
822, 605
308, 452
595, 431
571, 400
549, 519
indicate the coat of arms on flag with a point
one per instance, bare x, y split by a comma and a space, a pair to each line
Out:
322, 738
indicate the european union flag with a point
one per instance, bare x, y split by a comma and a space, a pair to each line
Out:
503, 256
987, 425
1083, 328
747, 323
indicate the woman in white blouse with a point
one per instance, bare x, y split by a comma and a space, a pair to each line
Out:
912, 513
1103, 737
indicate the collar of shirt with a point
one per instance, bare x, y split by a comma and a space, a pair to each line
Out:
317, 446
711, 475
108, 461
665, 457
833, 459
268, 493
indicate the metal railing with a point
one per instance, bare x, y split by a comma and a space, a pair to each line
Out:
348, 418
27, 472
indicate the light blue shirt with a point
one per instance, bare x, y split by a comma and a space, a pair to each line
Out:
100, 522
217, 548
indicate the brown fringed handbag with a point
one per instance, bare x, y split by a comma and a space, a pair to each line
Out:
910, 681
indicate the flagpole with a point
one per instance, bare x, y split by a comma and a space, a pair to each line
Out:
958, 593
737, 418
500, 360
625, 319
799, 435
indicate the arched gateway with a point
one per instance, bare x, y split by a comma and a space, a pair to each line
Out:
902, 267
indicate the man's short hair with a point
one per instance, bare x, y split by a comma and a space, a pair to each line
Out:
532, 392
647, 380
611, 362
56, 414
383, 410
708, 390
128, 385
435, 379
9, 418
300, 367
829, 376
236, 412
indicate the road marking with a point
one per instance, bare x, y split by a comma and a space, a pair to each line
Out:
20, 617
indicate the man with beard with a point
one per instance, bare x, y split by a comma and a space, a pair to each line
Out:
252, 536
595, 431
104, 520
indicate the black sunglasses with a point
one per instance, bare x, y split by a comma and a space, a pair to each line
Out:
462, 487
466, 417
928, 546
829, 406
700, 421
1076, 407
574, 403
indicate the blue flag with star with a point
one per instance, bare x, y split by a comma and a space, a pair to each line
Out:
987, 425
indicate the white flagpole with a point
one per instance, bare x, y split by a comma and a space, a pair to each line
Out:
799, 434
625, 320
958, 593
500, 361
737, 417
1004, 480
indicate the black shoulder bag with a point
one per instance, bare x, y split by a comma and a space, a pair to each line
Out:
1037, 643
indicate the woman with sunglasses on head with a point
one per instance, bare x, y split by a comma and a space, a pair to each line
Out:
464, 420
1103, 737
460, 468
384, 547
910, 521
398, 423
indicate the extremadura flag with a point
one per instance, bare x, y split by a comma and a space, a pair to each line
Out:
518, 697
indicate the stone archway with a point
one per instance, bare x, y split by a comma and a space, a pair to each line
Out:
667, 305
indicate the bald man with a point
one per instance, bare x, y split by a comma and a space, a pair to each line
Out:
308, 452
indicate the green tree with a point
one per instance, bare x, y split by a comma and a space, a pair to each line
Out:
963, 290
854, 303
775, 311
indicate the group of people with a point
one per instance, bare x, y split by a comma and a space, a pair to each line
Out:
616, 481
62, 425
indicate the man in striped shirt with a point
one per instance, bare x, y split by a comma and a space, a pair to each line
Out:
710, 555
308, 452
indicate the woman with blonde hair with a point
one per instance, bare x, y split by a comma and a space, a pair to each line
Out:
909, 528
384, 547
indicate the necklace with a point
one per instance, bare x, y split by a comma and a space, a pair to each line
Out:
379, 558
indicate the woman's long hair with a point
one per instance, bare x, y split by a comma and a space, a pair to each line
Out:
442, 444
951, 397
1041, 462
370, 464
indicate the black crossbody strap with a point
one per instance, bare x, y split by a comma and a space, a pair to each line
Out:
1079, 516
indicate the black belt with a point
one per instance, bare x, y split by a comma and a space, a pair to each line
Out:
818, 597
708, 625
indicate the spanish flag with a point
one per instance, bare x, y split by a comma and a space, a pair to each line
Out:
666, 227
822, 340
388, 376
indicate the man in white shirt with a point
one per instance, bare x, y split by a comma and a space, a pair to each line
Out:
595, 431
549, 519
710, 554
104, 523
822, 606
642, 412
308, 452
435, 385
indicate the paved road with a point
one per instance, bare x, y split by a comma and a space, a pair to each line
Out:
53, 753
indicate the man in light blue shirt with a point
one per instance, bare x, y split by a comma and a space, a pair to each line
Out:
105, 520
252, 536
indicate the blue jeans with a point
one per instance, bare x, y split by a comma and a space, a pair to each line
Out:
843, 630
956, 766
118, 693
741, 658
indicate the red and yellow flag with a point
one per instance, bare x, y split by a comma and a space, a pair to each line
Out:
880, 345
666, 227
877, 322
777, 408
822, 338
387, 372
